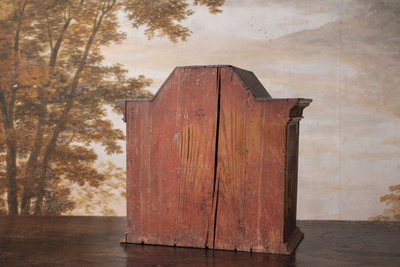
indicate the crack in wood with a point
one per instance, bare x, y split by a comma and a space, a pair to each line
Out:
215, 195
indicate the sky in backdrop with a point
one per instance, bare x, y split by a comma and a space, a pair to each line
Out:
344, 54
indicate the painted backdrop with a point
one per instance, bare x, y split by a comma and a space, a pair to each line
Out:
64, 62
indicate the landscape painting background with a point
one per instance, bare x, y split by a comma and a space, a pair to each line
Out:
61, 137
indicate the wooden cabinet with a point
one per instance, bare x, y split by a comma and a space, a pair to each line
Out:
212, 163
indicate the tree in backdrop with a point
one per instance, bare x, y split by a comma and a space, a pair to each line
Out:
392, 200
55, 89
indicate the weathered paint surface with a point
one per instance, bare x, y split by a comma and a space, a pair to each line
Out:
171, 161
209, 164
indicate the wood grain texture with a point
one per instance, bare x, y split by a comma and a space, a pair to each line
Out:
212, 162
292, 152
93, 241
171, 161
238, 171
251, 169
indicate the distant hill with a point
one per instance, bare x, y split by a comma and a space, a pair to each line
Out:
367, 40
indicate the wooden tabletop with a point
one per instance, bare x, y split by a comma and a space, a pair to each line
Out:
94, 241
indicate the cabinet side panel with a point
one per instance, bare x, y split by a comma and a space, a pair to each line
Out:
291, 179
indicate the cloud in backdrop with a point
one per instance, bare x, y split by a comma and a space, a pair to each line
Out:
343, 54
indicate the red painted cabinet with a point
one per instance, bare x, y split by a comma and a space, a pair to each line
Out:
212, 162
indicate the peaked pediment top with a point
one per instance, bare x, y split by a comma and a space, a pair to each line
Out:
248, 79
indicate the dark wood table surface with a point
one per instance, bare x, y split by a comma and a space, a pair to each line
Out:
94, 241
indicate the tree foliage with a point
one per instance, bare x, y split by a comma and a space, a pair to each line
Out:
163, 18
393, 201
54, 93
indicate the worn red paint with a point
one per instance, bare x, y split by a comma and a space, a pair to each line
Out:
212, 162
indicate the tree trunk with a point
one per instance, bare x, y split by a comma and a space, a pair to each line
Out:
31, 170
31, 173
57, 46
50, 148
11, 157
8, 110
11, 172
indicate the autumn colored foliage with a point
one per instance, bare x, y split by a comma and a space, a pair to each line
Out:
392, 200
54, 94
